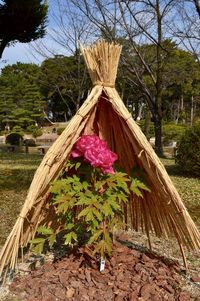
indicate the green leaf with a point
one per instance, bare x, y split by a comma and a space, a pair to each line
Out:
62, 206
70, 237
44, 230
38, 244
89, 217
101, 248
38, 249
85, 185
59, 186
107, 210
142, 185
84, 212
83, 199
74, 236
95, 225
70, 164
136, 185
37, 240
122, 197
70, 226
95, 236
108, 242
52, 239
77, 165
113, 203
97, 214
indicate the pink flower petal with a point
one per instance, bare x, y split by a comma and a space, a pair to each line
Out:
76, 153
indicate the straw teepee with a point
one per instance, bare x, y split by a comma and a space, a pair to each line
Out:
104, 113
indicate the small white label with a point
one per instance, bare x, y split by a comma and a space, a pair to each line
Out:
102, 264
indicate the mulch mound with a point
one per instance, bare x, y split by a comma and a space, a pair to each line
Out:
129, 275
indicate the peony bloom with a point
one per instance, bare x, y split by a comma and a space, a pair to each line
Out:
96, 152
88, 142
108, 170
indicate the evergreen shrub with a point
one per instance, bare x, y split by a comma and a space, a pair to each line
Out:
172, 132
151, 133
34, 130
188, 151
18, 129
60, 130
14, 139
29, 142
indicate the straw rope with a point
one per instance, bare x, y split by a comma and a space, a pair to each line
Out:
104, 113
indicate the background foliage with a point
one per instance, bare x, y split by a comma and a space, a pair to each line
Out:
188, 152
57, 88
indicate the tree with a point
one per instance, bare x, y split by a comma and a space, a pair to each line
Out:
197, 5
184, 25
139, 23
182, 86
22, 21
64, 83
21, 102
65, 79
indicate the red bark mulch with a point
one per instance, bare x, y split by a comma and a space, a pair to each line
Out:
129, 275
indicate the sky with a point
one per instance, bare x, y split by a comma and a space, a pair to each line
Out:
23, 52
18, 53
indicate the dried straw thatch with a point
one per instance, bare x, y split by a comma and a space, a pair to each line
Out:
104, 113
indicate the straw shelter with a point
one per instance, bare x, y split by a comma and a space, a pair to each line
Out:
160, 211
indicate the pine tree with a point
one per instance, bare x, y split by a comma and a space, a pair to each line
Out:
21, 102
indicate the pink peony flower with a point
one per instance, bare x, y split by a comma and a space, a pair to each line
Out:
76, 153
99, 157
89, 141
108, 170
96, 152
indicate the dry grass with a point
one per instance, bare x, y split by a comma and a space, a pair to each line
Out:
188, 188
16, 173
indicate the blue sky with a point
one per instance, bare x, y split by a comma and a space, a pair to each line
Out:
18, 53
23, 52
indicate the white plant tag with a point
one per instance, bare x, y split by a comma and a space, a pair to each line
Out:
102, 264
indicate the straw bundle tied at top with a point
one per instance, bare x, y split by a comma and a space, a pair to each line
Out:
102, 62
104, 113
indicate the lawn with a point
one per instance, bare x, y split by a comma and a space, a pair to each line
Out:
188, 188
16, 173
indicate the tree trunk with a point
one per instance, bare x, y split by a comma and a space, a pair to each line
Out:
3, 45
147, 123
140, 111
178, 112
192, 110
158, 135
182, 110
159, 88
136, 109
65, 116
182, 103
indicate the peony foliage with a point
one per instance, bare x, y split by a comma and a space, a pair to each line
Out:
89, 199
